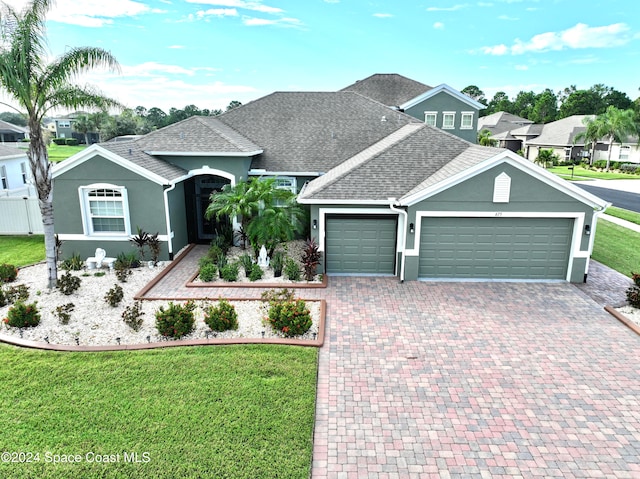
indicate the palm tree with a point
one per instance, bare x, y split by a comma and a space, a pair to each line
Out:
484, 138
616, 125
546, 157
38, 87
83, 125
591, 135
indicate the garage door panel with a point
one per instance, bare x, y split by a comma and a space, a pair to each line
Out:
360, 244
500, 248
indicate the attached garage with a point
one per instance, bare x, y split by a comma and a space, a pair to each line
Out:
360, 244
495, 247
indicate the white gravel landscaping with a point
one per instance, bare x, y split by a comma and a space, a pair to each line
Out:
631, 313
95, 322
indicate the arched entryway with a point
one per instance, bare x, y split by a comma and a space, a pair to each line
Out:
198, 191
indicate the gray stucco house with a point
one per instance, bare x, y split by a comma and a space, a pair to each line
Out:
388, 194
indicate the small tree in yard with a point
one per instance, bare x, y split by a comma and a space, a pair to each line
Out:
39, 87
546, 157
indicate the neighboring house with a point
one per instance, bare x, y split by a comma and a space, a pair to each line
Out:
14, 172
441, 106
388, 195
10, 133
559, 136
63, 128
500, 124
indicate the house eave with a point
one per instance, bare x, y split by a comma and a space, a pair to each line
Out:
446, 89
315, 201
284, 173
241, 154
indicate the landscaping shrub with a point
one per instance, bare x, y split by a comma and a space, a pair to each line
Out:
310, 259
230, 272
247, 263
291, 269
204, 261
114, 296
255, 273
59, 141
8, 273
277, 263
214, 253
132, 316
291, 318
129, 260
13, 294
23, 315
221, 242
3, 298
208, 272
221, 260
221, 317
630, 168
68, 283
122, 272
71, 142
633, 293
62, 312
74, 263
600, 164
175, 321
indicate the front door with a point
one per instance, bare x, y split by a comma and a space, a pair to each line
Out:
198, 193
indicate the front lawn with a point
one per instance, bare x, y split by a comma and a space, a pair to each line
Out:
62, 152
617, 247
21, 250
583, 173
621, 213
224, 412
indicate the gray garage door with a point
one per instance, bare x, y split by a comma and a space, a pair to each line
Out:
498, 248
360, 244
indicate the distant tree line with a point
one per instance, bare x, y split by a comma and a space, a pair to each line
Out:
548, 106
137, 121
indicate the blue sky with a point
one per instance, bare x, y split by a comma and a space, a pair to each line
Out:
209, 52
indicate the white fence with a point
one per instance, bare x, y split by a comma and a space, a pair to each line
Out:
20, 216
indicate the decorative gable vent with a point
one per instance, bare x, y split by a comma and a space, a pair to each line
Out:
501, 188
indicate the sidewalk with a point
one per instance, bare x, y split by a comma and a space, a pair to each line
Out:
621, 222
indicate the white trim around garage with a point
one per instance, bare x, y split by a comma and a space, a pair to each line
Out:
578, 226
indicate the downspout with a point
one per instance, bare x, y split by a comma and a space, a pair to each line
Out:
594, 225
392, 203
168, 219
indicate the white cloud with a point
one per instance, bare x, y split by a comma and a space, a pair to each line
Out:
382, 15
576, 37
281, 22
508, 18
175, 47
522, 68
149, 69
438, 26
218, 12
241, 4
447, 9
91, 13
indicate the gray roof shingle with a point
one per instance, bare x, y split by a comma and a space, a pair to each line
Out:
389, 89
560, 133
312, 131
130, 152
6, 150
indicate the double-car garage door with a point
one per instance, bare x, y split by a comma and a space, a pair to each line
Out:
496, 248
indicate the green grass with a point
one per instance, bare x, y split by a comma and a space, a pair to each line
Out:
631, 216
580, 172
224, 412
617, 247
21, 250
62, 152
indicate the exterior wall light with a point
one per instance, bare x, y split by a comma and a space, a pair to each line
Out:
412, 228
587, 230
315, 224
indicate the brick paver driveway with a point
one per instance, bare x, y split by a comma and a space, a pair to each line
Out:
474, 380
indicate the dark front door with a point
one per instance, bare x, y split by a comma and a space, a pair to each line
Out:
198, 192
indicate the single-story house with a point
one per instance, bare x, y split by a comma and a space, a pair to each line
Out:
15, 174
10, 133
387, 193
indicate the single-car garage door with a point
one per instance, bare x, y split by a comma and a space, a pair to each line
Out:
498, 248
360, 244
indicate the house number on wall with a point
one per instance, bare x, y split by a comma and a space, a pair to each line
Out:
499, 213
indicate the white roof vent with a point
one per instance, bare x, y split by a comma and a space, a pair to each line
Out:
502, 188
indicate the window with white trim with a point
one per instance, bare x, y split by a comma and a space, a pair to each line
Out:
430, 117
625, 150
105, 210
3, 178
64, 124
448, 120
466, 121
286, 183
23, 169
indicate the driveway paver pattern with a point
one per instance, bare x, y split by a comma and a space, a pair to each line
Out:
474, 380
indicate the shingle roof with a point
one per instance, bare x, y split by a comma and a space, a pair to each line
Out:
393, 169
6, 126
130, 152
500, 122
312, 131
560, 132
6, 150
389, 89
528, 130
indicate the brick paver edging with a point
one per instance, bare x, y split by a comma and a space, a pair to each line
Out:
166, 271
623, 319
318, 342
191, 284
